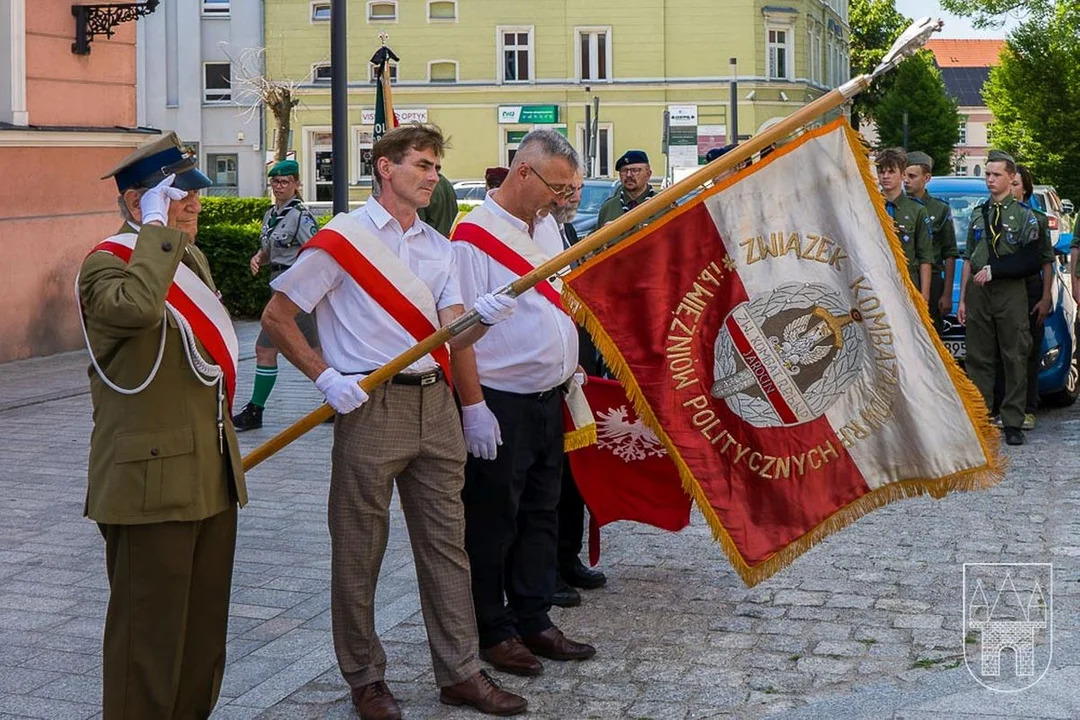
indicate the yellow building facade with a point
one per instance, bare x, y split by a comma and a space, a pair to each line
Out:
488, 71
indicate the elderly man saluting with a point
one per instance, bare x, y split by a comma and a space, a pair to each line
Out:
165, 473
379, 280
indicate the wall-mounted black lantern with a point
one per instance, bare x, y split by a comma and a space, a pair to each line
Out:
91, 20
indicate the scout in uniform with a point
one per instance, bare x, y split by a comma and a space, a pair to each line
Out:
379, 280
634, 173
909, 215
287, 225
165, 474
1002, 250
916, 175
1039, 288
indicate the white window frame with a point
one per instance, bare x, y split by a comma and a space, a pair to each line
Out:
788, 28
960, 169
442, 20
393, 73
315, 72
962, 139
593, 52
816, 52
500, 56
372, 3
211, 9
212, 171
217, 101
579, 135
355, 176
443, 61
311, 15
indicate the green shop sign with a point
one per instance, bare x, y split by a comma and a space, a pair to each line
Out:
529, 114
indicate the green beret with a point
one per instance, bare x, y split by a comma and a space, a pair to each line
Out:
284, 167
999, 156
920, 158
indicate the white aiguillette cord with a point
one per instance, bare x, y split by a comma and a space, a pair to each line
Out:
207, 372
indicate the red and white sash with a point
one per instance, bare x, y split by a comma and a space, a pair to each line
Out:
519, 253
384, 277
192, 299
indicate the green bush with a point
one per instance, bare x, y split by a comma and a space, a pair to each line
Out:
228, 248
232, 210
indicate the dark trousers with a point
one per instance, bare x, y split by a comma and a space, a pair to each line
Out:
571, 519
511, 525
164, 648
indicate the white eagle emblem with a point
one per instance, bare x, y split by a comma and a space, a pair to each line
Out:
629, 441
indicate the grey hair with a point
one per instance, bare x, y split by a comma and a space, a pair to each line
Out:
124, 211
546, 144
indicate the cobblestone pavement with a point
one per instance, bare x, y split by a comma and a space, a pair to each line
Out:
867, 624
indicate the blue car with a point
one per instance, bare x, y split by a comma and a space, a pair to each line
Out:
1059, 373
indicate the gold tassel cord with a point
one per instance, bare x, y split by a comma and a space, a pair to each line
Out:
977, 478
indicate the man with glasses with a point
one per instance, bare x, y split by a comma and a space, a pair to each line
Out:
512, 385
634, 173
287, 225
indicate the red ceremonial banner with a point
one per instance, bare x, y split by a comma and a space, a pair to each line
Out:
787, 370
627, 474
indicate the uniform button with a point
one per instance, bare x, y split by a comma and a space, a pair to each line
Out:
166, 246
154, 451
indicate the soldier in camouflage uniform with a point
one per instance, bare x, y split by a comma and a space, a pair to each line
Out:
287, 225
1002, 250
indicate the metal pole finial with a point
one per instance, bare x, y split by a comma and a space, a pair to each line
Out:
909, 43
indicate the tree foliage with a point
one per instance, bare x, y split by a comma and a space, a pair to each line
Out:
1034, 94
933, 122
993, 13
875, 25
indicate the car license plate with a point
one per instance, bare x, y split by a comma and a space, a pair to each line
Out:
955, 348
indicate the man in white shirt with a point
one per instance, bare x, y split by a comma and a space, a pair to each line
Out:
378, 280
511, 387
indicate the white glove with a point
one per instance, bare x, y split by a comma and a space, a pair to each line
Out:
154, 203
494, 308
482, 434
343, 392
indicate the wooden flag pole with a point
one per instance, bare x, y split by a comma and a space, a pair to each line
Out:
908, 43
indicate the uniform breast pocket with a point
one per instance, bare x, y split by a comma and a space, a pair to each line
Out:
165, 462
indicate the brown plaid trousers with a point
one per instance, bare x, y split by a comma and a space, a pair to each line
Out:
413, 434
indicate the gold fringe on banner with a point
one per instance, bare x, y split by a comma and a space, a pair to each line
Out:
973, 479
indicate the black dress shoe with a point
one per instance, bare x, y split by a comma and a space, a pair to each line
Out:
565, 596
579, 576
1014, 436
250, 418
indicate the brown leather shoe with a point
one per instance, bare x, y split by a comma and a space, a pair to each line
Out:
375, 702
553, 645
513, 657
484, 694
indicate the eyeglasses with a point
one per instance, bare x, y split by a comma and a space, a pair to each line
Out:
281, 181
563, 192
632, 171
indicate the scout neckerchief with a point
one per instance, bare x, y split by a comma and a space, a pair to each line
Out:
200, 318
992, 229
628, 203
519, 253
384, 277
278, 214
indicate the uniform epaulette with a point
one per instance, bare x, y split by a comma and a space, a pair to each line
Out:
912, 197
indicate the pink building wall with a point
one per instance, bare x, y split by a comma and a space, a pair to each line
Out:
55, 206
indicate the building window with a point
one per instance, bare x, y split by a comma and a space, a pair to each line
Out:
989, 134
442, 10
217, 82
817, 70
515, 45
960, 169
364, 166
602, 158
371, 73
382, 11
442, 71
215, 8
320, 12
320, 73
594, 54
962, 139
780, 54
223, 172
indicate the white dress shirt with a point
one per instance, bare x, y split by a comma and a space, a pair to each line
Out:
537, 348
355, 332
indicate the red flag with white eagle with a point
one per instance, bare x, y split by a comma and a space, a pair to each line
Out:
627, 474
768, 333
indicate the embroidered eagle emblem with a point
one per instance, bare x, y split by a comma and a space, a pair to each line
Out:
629, 441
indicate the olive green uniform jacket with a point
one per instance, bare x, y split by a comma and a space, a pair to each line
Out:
154, 456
